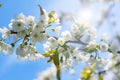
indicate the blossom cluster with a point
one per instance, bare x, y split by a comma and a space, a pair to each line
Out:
64, 48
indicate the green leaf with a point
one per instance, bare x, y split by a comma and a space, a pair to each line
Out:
52, 17
46, 54
51, 13
89, 50
49, 53
86, 73
92, 66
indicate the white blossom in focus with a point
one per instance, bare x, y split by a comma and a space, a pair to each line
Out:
30, 20
17, 25
44, 18
38, 27
21, 16
36, 37
5, 48
50, 44
21, 50
28, 52
5, 32
21, 34
35, 56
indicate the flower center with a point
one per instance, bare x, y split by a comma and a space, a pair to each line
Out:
18, 24
36, 35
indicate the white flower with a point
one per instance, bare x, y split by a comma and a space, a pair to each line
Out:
50, 44
39, 56
24, 50
76, 31
44, 18
57, 29
21, 50
22, 34
61, 41
35, 56
52, 40
9, 49
5, 32
36, 37
67, 64
31, 20
22, 58
21, 16
66, 35
31, 49
104, 47
92, 45
17, 25
5, 48
60, 49
38, 27
28, 52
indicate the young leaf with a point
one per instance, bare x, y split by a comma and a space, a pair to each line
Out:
46, 54
52, 17
86, 73
89, 50
50, 53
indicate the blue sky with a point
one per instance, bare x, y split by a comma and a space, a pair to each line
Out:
10, 67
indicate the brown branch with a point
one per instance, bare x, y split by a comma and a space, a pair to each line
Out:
77, 42
13, 32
